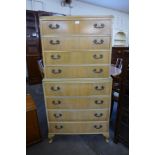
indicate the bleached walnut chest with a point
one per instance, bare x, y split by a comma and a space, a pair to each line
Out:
77, 84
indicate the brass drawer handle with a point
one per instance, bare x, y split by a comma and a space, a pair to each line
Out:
53, 27
97, 57
98, 71
58, 127
56, 102
55, 88
98, 42
54, 43
98, 126
57, 115
99, 87
56, 71
55, 56
98, 115
99, 102
98, 27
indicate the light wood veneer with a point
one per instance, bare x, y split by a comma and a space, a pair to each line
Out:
77, 84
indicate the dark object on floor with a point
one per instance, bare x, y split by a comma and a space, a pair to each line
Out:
32, 126
122, 121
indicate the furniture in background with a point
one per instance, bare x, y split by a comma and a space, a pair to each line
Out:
33, 134
33, 45
122, 121
118, 59
33, 48
77, 83
115, 72
41, 67
118, 52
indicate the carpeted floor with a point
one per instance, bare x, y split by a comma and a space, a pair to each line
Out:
72, 144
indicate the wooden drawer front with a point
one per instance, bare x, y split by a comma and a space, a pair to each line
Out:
77, 89
83, 57
78, 127
60, 43
95, 42
98, 27
57, 27
78, 103
77, 71
72, 43
77, 27
78, 115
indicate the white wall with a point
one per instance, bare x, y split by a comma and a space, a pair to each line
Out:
120, 22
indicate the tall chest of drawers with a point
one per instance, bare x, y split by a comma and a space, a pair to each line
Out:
77, 84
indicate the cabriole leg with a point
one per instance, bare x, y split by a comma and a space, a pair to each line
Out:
106, 135
50, 138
